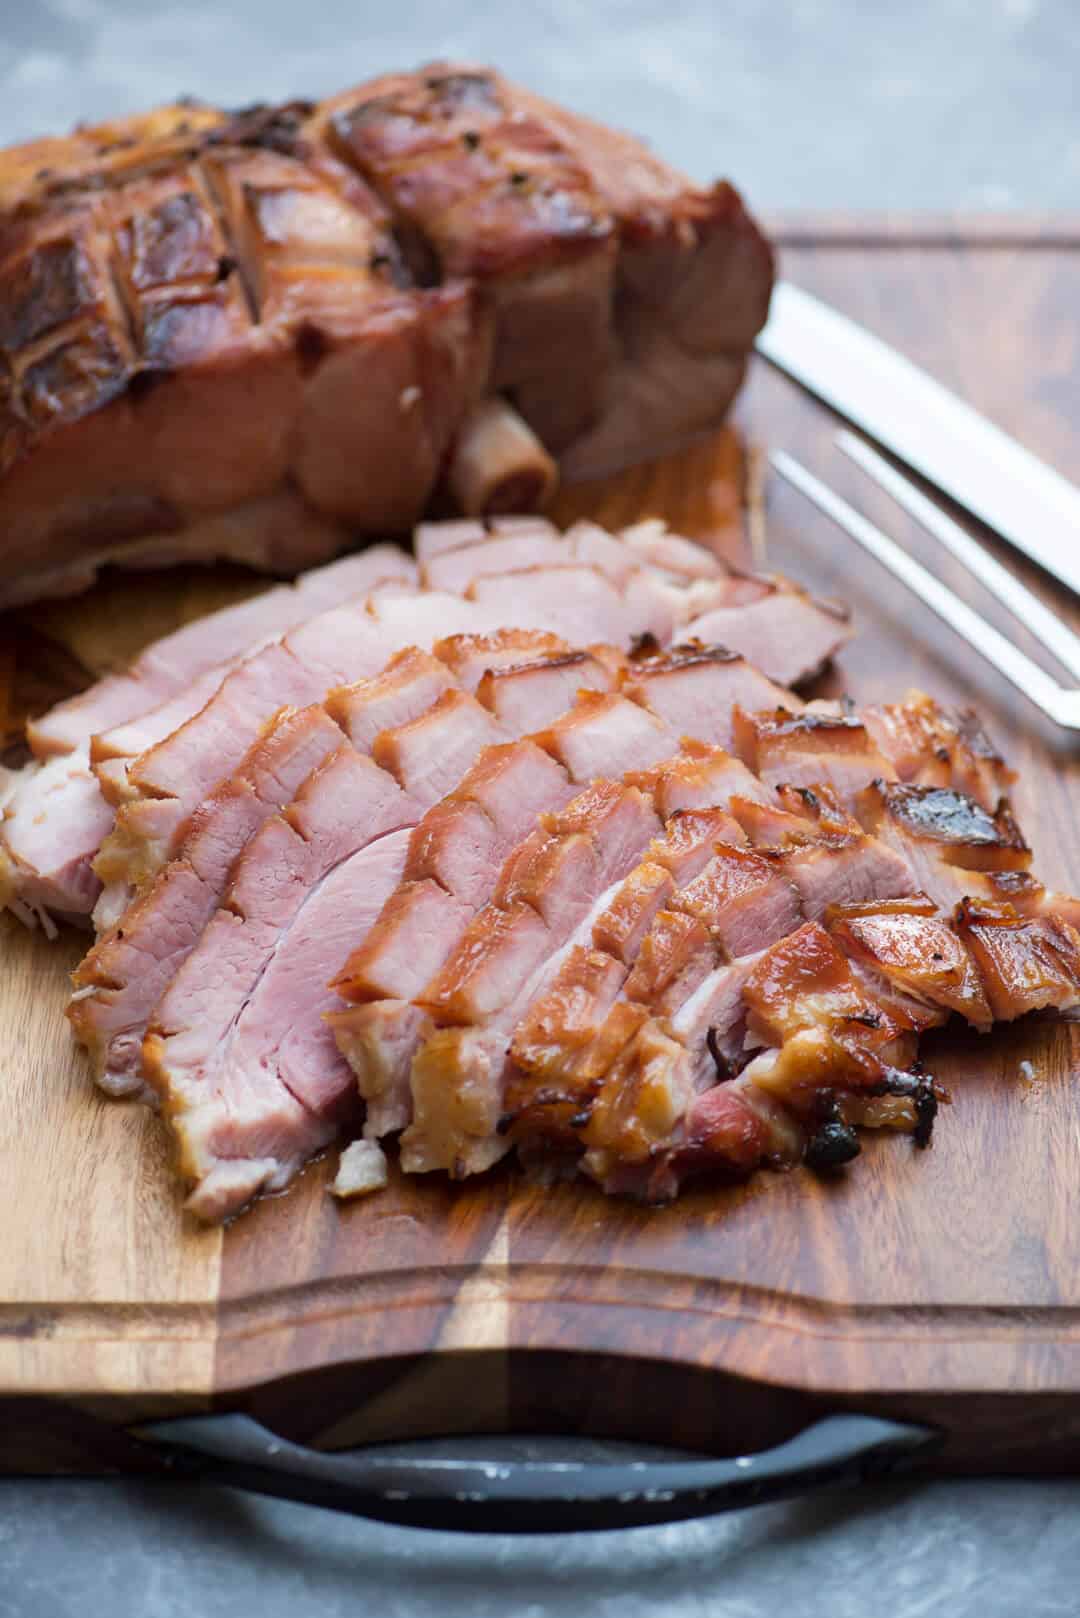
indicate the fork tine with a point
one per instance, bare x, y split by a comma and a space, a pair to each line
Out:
1039, 687
1027, 608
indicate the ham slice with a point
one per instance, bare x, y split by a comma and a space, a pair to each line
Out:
659, 698
544, 894
811, 748
168, 666
931, 746
776, 626
120, 980
227, 1119
821, 856
57, 816
249, 972
349, 643
632, 1081
143, 736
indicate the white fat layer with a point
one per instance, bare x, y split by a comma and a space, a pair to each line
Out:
362, 1169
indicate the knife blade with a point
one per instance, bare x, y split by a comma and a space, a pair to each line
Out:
935, 433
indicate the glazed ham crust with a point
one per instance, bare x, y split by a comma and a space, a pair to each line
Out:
436, 279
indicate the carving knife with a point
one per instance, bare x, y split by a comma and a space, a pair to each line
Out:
936, 434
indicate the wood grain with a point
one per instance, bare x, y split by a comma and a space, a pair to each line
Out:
940, 1285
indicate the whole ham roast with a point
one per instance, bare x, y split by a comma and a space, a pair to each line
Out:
262, 335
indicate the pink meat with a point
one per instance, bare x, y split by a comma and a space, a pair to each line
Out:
345, 805
783, 631
168, 666
284, 1090
505, 959
697, 689
120, 981
811, 748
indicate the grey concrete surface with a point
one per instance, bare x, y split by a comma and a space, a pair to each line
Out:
999, 1550
809, 104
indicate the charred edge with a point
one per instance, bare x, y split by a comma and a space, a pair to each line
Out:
834, 1143
643, 645
147, 381
218, 206
687, 654
312, 346
725, 1070
125, 306
926, 1106
918, 1087
557, 660
865, 1019
266, 128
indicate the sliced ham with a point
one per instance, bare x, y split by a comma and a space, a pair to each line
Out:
681, 688
545, 892
956, 848
691, 688
660, 697
347, 644
169, 665
908, 949
122, 978
118, 983
452, 855
777, 626
628, 1081
228, 1120
931, 746
111, 1020
153, 741
824, 853
432, 539
811, 749
1025, 963
540, 545
58, 814
418, 761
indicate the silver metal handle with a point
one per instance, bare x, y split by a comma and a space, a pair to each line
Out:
1040, 688
1056, 636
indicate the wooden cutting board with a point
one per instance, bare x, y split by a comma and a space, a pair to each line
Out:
943, 1285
